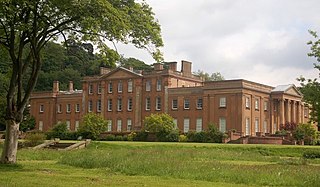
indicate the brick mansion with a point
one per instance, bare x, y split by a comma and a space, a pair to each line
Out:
125, 97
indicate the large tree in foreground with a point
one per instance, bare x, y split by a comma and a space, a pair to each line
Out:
26, 27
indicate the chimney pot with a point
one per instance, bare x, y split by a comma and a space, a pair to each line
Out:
70, 86
55, 87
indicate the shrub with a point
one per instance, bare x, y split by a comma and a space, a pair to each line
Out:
305, 132
110, 137
58, 131
140, 136
131, 136
311, 154
118, 138
92, 126
214, 135
33, 139
172, 136
183, 138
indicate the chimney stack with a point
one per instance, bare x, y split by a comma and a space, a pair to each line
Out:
158, 66
104, 70
186, 68
172, 66
55, 88
70, 86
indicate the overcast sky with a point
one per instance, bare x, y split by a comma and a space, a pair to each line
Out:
259, 40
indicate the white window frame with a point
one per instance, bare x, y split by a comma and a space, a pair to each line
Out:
159, 84
148, 103
59, 110
148, 85
99, 88
247, 102
175, 121
119, 104
129, 125
109, 129
265, 124
223, 102
199, 103
77, 107
109, 105
41, 108
90, 106
222, 124
158, 103
119, 125
110, 87
256, 125
199, 124
90, 89
99, 105
256, 104
130, 86
120, 87
68, 124
76, 126
186, 125
265, 105
186, 104
129, 107
40, 125
68, 108
174, 104
247, 126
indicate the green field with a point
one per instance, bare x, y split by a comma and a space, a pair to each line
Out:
164, 164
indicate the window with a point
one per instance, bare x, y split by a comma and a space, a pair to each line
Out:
256, 125
120, 86
223, 102
59, 108
158, 103
68, 125
110, 87
109, 104
148, 102
175, 121
77, 107
129, 104
90, 106
222, 124
90, 88
175, 104
199, 103
99, 105
265, 130
119, 125
158, 84
256, 104
148, 85
186, 124
247, 102
109, 125
130, 86
265, 105
247, 126
40, 125
68, 108
129, 125
41, 108
99, 88
119, 104
76, 126
199, 125
186, 104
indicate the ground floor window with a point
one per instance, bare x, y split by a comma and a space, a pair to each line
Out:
76, 126
129, 125
247, 126
199, 125
109, 125
222, 124
119, 124
175, 121
265, 130
186, 124
68, 125
40, 125
256, 125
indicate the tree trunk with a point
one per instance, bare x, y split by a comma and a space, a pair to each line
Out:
9, 152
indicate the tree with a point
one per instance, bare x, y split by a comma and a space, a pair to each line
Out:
305, 132
206, 77
92, 126
310, 88
27, 26
134, 63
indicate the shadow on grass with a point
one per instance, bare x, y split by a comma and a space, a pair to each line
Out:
10, 167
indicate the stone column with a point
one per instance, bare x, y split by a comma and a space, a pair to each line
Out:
287, 108
271, 116
299, 112
294, 112
282, 116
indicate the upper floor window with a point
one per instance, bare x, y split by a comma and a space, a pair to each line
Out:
148, 103
59, 110
99, 105
120, 87
186, 104
256, 104
68, 108
119, 104
129, 104
109, 104
90, 106
99, 88
159, 83
199, 103
158, 103
247, 102
175, 104
90, 88
223, 102
130, 86
148, 85
265, 105
41, 108
110, 87
77, 107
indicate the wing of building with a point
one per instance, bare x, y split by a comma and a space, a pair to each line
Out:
125, 97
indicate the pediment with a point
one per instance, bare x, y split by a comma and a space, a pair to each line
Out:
120, 73
293, 91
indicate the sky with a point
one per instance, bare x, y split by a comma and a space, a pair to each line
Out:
264, 41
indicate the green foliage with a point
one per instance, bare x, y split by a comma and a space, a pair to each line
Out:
59, 130
140, 136
33, 139
92, 126
28, 123
183, 138
311, 154
162, 126
212, 135
134, 63
305, 132
206, 77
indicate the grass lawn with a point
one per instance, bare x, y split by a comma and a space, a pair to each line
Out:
164, 164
